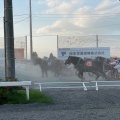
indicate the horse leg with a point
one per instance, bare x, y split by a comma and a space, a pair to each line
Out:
42, 73
54, 73
80, 75
101, 74
57, 73
45, 71
97, 76
105, 76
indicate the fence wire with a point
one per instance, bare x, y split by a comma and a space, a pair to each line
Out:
19, 42
112, 41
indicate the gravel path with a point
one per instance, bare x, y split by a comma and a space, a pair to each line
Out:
68, 105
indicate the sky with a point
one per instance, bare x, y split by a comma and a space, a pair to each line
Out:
63, 18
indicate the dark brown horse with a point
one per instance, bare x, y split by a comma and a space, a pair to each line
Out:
95, 66
54, 66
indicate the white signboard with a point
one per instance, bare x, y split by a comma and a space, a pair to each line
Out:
64, 53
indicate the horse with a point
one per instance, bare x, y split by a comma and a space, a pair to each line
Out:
94, 66
55, 67
43, 65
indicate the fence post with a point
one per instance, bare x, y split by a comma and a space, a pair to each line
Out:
40, 87
96, 86
84, 86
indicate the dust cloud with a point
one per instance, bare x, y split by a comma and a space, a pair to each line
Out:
33, 73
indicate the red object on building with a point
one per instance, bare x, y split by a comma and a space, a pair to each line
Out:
19, 53
89, 63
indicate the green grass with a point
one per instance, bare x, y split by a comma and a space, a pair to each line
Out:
19, 97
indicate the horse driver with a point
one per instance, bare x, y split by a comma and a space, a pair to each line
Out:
116, 63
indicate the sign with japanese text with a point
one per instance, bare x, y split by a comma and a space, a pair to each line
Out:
92, 52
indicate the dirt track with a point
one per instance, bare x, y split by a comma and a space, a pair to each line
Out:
69, 105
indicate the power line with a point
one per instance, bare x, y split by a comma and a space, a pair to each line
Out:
68, 14
70, 30
95, 27
77, 14
17, 22
74, 16
47, 0
21, 20
70, 18
20, 15
102, 26
43, 35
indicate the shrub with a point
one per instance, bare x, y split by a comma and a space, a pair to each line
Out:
19, 97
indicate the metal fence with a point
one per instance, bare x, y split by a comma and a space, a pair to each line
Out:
112, 41
19, 42
44, 45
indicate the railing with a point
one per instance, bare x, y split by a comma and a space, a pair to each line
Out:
53, 83
103, 85
18, 83
48, 85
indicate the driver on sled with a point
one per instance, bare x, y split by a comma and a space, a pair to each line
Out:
116, 63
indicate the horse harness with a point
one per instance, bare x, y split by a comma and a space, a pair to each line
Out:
87, 64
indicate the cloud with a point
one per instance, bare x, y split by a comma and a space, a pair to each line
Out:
106, 5
58, 27
60, 6
84, 19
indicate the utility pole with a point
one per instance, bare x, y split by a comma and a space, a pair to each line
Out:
30, 15
9, 40
4, 45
